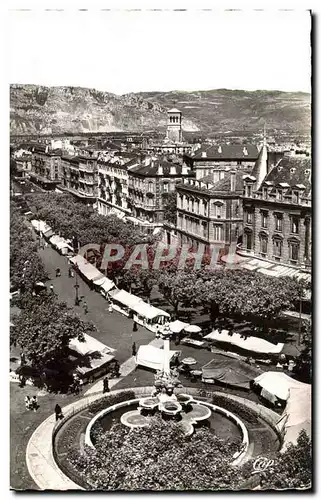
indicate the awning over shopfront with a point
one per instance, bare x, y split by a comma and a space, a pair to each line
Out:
254, 344
85, 268
297, 414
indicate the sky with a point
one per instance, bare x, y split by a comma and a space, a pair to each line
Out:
127, 51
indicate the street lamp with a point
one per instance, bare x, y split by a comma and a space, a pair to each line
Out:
76, 286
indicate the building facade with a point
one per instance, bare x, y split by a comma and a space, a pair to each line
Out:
46, 167
79, 176
209, 211
150, 184
277, 211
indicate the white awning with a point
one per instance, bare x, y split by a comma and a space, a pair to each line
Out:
177, 326
152, 357
148, 311
90, 345
278, 384
105, 283
254, 344
85, 268
40, 226
125, 298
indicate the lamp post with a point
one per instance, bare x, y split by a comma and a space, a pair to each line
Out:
76, 286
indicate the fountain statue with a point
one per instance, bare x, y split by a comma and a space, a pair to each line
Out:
182, 407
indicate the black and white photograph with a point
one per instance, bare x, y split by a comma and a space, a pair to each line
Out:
160, 221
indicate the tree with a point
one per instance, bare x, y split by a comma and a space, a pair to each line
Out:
291, 468
44, 328
304, 361
159, 457
170, 207
180, 288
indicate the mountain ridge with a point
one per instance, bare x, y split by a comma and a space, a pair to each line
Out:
67, 109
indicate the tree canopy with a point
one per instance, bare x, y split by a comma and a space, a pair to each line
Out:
160, 457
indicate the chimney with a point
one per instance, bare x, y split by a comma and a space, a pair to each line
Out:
172, 170
204, 155
184, 169
233, 181
160, 170
245, 152
219, 150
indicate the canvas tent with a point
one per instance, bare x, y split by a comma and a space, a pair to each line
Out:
297, 414
61, 244
86, 269
253, 344
105, 285
40, 226
149, 316
276, 385
99, 356
123, 301
152, 357
229, 371
177, 326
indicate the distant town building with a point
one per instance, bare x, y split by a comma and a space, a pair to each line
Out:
277, 210
174, 125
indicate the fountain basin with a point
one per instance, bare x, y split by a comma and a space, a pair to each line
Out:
170, 408
149, 403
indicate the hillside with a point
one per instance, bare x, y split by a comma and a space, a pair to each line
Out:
37, 109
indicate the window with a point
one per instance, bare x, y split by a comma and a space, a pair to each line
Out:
205, 207
180, 221
295, 197
264, 219
278, 222
248, 191
263, 245
294, 224
197, 207
218, 233
279, 194
218, 211
165, 187
294, 251
265, 193
277, 248
150, 187
249, 217
204, 229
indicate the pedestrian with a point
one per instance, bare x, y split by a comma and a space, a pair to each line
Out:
34, 403
117, 369
46, 244
105, 385
58, 412
135, 328
134, 350
51, 288
85, 305
58, 273
110, 308
23, 381
22, 359
28, 403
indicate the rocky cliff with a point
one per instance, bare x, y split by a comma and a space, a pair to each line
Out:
37, 109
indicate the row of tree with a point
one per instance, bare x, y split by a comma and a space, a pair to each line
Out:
161, 457
26, 267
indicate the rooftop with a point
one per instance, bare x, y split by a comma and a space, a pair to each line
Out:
227, 152
293, 171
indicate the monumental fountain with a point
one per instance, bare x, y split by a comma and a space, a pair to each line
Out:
180, 407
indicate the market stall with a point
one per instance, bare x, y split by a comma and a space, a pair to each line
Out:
229, 371
104, 285
297, 414
275, 386
87, 270
94, 357
253, 344
124, 302
150, 317
62, 245
152, 357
